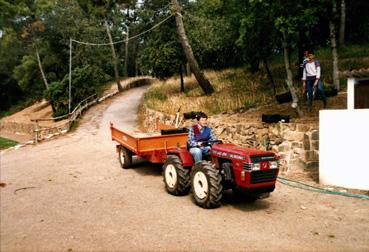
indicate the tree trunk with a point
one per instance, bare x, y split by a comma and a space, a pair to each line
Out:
289, 81
342, 23
200, 77
336, 80
40, 66
115, 63
332, 29
188, 70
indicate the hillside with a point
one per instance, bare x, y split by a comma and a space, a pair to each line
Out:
19, 125
237, 89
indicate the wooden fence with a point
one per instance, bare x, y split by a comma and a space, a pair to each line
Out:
46, 132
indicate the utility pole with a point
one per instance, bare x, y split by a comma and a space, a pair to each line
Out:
70, 76
126, 53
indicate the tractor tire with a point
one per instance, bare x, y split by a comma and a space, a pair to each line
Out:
206, 184
125, 157
176, 177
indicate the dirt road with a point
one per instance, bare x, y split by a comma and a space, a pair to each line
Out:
70, 194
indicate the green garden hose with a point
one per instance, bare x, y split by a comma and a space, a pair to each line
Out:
301, 185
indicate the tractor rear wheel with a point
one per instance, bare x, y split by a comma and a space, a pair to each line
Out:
176, 177
206, 183
125, 157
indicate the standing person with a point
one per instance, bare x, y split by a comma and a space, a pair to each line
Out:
198, 134
311, 79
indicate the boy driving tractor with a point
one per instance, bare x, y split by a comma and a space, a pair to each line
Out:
198, 135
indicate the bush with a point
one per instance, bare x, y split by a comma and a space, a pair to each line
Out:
86, 81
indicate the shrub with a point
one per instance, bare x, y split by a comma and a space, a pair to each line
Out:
86, 81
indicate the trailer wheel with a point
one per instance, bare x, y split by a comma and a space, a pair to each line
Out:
176, 177
206, 183
125, 157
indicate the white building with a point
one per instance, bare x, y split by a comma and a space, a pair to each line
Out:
344, 137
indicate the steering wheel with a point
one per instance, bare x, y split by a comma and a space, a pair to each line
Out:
211, 143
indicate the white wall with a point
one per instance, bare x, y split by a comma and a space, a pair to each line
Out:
344, 148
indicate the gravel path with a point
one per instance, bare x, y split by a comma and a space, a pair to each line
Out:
70, 194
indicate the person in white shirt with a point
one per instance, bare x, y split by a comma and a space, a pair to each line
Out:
311, 79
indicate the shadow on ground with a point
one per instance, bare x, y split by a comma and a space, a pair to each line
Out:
145, 168
242, 203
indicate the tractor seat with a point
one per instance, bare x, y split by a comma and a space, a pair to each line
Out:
173, 131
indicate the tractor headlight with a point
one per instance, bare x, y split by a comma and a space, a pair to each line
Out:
273, 165
256, 166
252, 166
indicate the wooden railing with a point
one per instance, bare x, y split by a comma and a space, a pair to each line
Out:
44, 132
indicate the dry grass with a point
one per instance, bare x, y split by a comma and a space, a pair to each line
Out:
238, 88
234, 88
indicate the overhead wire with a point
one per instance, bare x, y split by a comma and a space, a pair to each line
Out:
103, 44
124, 40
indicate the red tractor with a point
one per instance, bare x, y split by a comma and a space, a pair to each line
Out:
248, 172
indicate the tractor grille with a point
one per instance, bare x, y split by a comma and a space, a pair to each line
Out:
258, 159
263, 176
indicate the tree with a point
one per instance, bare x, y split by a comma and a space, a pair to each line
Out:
30, 32
114, 56
200, 77
332, 28
342, 23
160, 53
102, 9
86, 81
212, 29
287, 22
11, 51
289, 81
255, 23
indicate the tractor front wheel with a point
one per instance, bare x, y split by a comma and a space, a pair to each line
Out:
176, 177
125, 157
206, 183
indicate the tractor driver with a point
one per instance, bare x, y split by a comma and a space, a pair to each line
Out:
198, 135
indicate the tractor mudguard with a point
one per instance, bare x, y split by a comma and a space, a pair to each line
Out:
185, 157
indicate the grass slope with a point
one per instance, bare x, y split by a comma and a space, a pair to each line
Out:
6, 143
238, 88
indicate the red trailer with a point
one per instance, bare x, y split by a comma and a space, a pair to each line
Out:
153, 147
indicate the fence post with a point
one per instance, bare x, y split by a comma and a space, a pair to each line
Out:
36, 131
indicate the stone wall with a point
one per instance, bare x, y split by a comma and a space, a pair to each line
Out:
296, 143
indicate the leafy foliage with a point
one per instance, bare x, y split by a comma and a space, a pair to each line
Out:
27, 76
86, 81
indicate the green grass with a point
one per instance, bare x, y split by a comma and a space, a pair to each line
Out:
6, 143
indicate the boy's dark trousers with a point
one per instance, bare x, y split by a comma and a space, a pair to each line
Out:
310, 91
